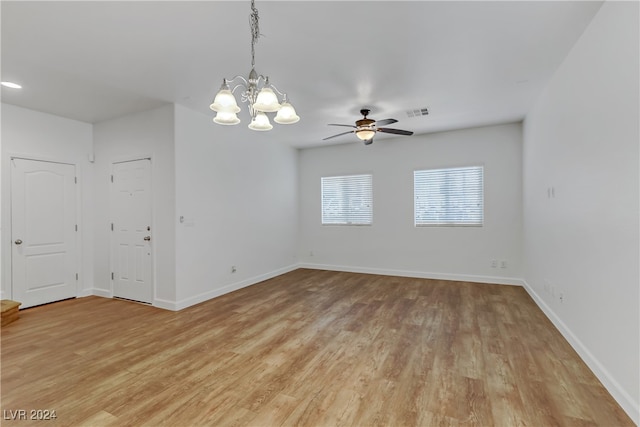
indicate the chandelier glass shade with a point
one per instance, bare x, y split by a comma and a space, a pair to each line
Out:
286, 114
225, 102
226, 118
257, 92
267, 101
260, 122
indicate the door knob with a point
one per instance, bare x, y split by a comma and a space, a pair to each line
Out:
147, 238
18, 242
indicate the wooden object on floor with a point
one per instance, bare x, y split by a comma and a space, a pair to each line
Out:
314, 348
9, 311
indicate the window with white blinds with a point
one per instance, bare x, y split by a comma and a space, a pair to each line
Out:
347, 200
449, 197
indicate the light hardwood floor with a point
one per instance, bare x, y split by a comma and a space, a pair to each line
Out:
313, 348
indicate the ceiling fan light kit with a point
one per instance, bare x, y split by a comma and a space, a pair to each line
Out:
365, 134
258, 93
365, 129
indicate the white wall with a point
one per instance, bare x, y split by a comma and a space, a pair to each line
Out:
146, 134
31, 134
237, 192
581, 138
392, 244
239, 198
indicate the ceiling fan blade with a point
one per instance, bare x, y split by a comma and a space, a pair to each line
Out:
385, 122
340, 134
335, 124
395, 131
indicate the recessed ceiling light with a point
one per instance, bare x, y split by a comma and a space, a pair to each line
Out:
11, 85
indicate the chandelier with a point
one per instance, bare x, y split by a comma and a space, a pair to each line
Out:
257, 92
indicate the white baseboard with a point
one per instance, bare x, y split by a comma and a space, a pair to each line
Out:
188, 302
417, 274
84, 293
165, 304
613, 387
101, 293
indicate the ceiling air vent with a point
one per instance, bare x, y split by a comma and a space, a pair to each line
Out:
418, 112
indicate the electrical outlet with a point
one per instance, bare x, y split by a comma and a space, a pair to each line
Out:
494, 263
503, 264
310, 253
233, 269
561, 297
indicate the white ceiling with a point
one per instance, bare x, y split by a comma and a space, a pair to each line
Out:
471, 63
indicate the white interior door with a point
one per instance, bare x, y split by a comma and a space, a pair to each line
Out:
131, 243
43, 232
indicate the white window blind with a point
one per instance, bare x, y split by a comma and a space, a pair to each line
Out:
449, 197
347, 200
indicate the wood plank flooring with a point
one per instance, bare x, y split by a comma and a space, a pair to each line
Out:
309, 348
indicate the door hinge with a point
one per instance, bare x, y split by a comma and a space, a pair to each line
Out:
111, 178
75, 178
76, 276
112, 276
76, 227
111, 226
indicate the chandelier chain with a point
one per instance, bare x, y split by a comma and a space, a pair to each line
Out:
255, 31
